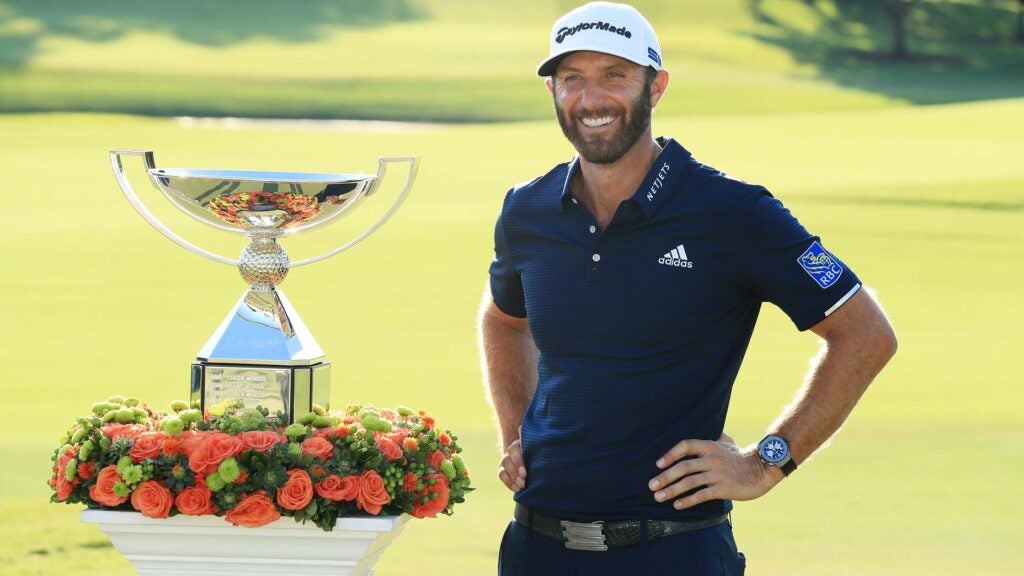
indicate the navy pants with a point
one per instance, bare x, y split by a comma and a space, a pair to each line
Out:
708, 552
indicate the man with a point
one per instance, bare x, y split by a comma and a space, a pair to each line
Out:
624, 290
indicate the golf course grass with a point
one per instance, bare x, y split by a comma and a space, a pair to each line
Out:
911, 172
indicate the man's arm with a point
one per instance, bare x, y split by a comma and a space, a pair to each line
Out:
858, 342
509, 359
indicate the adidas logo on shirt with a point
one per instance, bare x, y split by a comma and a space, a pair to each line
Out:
676, 257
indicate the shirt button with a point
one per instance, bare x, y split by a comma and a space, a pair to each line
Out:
596, 257
593, 229
575, 201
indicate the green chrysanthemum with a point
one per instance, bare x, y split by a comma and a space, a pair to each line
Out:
71, 470
215, 483
173, 426
121, 490
376, 424
228, 470
460, 465
448, 469
132, 474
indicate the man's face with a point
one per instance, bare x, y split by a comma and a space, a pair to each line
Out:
603, 104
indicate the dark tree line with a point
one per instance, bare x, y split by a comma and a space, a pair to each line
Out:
899, 16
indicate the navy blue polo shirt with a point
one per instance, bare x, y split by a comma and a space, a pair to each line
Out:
642, 326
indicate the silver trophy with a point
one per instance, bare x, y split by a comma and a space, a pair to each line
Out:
262, 354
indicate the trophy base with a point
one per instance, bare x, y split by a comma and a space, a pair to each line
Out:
292, 390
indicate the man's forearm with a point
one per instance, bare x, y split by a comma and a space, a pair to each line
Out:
858, 343
509, 359
852, 355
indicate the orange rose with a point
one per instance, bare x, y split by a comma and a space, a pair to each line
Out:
211, 451
254, 510
297, 492
147, 445
338, 489
190, 441
60, 480
399, 434
432, 506
103, 490
372, 493
195, 501
153, 499
115, 431
327, 432
435, 459
390, 450
318, 446
261, 440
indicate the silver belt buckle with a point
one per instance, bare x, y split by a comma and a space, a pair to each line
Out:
584, 536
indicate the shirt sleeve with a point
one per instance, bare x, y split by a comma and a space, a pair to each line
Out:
506, 283
782, 263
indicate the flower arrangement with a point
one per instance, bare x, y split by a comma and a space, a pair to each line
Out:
299, 207
243, 465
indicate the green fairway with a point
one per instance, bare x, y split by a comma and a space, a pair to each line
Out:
911, 171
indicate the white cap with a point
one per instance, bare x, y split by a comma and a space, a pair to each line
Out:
616, 29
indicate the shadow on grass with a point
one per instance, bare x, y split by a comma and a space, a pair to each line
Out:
958, 52
23, 23
90, 545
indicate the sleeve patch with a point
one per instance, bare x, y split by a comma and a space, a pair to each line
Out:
823, 267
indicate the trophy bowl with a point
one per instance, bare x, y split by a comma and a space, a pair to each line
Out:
261, 354
241, 200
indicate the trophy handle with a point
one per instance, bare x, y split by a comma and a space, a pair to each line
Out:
133, 198
382, 165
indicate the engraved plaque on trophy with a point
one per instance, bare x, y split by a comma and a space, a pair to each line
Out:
261, 354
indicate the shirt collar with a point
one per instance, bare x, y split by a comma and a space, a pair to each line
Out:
656, 187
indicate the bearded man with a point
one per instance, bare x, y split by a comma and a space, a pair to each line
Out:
624, 291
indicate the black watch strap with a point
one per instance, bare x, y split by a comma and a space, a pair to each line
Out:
788, 467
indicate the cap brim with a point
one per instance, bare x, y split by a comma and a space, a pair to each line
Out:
549, 66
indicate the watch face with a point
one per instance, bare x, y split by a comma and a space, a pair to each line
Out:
773, 450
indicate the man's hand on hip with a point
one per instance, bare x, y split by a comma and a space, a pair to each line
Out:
513, 470
715, 471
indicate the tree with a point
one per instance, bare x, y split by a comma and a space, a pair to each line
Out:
1020, 21
897, 12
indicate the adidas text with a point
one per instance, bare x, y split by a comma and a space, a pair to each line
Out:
675, 262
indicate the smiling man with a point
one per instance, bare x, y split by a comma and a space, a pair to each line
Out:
624, 290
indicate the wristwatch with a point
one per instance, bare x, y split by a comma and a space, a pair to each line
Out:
774, 451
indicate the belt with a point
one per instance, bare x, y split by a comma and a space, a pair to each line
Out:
600, 536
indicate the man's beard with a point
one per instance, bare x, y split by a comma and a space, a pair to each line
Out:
636, 121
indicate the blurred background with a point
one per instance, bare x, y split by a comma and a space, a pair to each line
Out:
892, 128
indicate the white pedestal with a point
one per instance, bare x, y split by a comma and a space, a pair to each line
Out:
208, 545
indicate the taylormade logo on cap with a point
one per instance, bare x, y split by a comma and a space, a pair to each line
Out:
563, 32
616, 29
